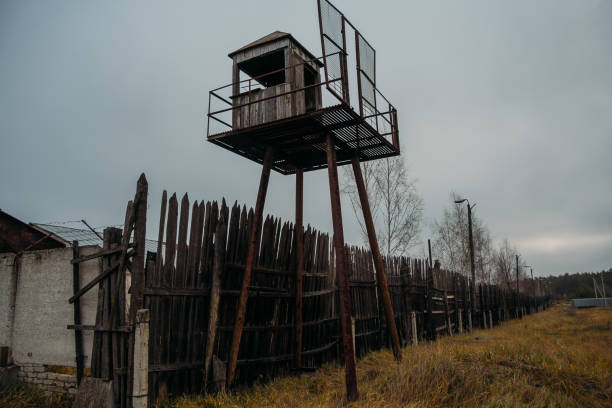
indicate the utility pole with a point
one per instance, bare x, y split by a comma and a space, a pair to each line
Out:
603, 290
518, 290
472, 267
429, 246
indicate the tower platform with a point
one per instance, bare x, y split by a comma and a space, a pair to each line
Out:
300, 140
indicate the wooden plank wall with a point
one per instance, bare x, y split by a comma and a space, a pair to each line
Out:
179, 287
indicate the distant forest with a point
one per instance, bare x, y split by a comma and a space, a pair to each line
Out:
578, 285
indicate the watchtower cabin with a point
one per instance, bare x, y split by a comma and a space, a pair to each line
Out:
279, 65
281, 95
292, 112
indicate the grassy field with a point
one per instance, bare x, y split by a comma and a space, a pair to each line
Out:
558, 358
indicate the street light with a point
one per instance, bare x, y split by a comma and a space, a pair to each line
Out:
532, 284
472, 291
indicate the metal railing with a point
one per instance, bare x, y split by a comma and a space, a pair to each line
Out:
221, 107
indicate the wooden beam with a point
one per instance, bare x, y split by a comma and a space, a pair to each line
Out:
93, 282
250, 263
78, 335
299, 270
99, 254
342, 273
218, 267
378, 261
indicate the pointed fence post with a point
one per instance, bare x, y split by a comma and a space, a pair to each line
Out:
140, 389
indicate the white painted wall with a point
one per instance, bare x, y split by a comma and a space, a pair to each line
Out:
42, 311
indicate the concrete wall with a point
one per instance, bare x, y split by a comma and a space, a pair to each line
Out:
6, 280
42, 311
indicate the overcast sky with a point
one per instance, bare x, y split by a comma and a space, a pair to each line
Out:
506, 102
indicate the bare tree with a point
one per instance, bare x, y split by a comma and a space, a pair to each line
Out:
505, 265
397, 208
451, 241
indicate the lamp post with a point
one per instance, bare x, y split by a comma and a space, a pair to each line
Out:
532, 285
472, 267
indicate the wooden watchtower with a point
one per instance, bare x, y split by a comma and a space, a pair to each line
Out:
292, 112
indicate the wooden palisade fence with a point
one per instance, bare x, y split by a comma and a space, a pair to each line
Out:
191, 288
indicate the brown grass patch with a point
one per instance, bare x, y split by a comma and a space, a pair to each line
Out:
558, 358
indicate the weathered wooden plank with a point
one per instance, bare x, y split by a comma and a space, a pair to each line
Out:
78, 335
219, 262
98, 254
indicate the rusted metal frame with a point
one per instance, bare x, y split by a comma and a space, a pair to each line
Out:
220, 97
250, 263
323, 36
308, 115
284, 68
219, 120
378, 261
78, 335
344, 66
208, 118
342, 274
378, 113
299, 269
322, 41
272, 72
395, 130
358, 66
273, 97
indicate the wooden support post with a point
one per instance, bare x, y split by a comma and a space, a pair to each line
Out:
299, 268
78, 334
342, 273
379, 265
449, 327
470, 321
431, 327
415, 333
490, 319
218, 267
250, 263
140, 388
137, 270
460, 320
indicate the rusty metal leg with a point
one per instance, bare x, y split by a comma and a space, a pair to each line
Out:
378, 261
341, 271
250, 261
299, 270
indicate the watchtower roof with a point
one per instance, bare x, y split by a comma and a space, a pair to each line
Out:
275, 36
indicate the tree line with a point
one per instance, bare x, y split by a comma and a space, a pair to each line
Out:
397, 210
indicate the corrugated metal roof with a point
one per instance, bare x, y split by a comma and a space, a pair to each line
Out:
276, 35
84, 236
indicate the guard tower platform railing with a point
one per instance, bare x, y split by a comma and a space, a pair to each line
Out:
247, 123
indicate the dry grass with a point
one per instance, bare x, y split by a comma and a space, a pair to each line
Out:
20, 395
559, 358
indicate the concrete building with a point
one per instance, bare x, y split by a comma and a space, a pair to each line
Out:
35, 285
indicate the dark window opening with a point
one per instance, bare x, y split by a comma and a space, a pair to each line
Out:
268, 69
310, 78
